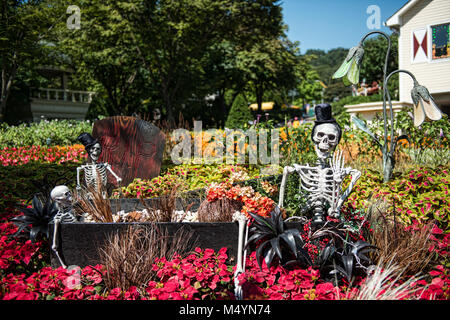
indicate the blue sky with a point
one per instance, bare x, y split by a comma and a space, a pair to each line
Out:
328, 24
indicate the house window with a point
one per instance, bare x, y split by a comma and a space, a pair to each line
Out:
440, 41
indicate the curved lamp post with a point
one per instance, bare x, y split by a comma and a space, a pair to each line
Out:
424, 103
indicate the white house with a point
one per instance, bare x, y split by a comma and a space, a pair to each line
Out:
424, 48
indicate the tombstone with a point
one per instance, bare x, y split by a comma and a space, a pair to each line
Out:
133, 147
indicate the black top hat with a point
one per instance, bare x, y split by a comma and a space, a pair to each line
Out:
87, 140
324, 114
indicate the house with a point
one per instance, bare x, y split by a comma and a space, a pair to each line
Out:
58, 103
424, 48
54, 100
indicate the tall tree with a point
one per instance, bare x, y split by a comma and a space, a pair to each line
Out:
269, 65
102, 53
23, 27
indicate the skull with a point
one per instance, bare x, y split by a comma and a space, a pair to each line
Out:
95, 151
326, 137
61, 195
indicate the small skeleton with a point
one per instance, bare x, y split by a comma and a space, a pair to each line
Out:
323, 181
63, 198
95, 174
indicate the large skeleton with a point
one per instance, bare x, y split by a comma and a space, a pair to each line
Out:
323, 182
95, 174
63, 198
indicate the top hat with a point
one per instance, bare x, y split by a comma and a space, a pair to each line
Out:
323, 114
87, 140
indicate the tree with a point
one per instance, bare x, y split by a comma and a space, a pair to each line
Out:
240, 114
193, 46
374, 58
23, 26
269, 65
103, 55
325, 64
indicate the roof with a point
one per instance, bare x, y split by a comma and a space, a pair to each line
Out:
396, 19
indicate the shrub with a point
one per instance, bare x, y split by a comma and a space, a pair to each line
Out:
239, 114
43, 133
419, 194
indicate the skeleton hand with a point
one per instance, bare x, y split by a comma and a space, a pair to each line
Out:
337, 165
333, 213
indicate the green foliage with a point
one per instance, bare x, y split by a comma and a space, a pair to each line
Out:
374, 59
239, 115
339, 112
23, 25
188, 177
54, 132
296, 145
419, 194
325, 63
22, 182
431, 134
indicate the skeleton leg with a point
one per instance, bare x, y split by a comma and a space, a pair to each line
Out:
54, 245
240, 267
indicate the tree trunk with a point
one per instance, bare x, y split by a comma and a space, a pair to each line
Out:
169, 107
259, 97
5, 90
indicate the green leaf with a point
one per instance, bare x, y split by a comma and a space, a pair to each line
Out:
353, 73
362, 126
343, 69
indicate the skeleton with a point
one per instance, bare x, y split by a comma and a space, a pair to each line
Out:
323, 181
63, 198
95, 174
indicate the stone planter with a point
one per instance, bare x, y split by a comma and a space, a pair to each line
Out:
79, 243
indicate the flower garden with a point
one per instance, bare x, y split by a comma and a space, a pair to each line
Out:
393, 245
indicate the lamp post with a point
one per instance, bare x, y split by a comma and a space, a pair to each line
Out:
423, 101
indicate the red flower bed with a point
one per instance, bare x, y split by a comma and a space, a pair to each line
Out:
252, 201
57, 154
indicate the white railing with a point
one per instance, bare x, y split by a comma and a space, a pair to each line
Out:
62, 95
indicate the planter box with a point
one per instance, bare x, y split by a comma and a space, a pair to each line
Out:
79, 242
130, 204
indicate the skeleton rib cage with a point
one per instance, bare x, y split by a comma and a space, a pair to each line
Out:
320, 185
92, 172
323, 183
65, 217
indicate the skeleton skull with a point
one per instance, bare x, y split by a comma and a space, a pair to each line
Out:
61, 195
325, 138
95, 151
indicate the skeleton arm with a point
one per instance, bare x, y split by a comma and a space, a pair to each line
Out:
78, 176
356, 174
108, 166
